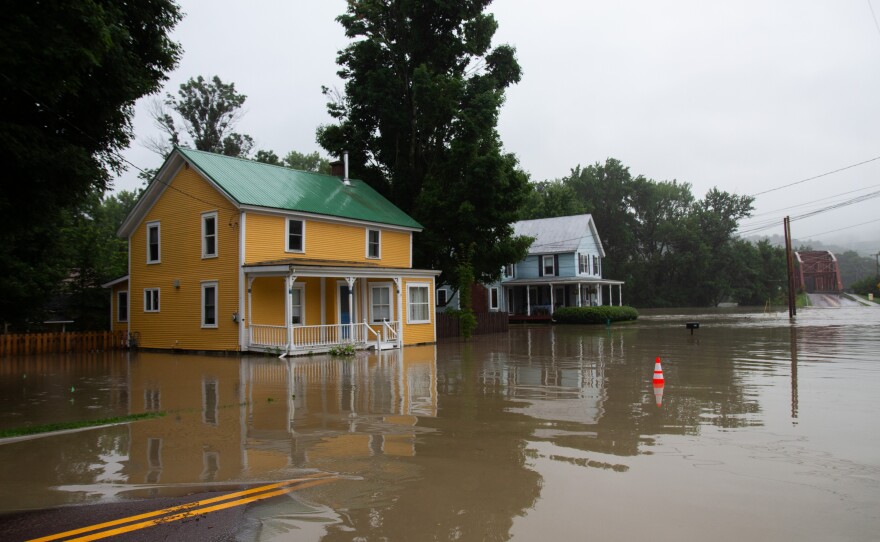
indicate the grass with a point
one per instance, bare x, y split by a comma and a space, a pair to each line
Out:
64, 426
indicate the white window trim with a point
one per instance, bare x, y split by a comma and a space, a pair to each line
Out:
409, 287
302, 303
205, 255
445, 296
379, 256
208, 284
497, 298
158, 226
512, 274
385, 286
158, 299
552, 265
119, 304
287, 248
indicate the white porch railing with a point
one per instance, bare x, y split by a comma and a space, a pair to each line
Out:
322, 336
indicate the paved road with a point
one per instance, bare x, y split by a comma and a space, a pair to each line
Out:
823, 301
207, 517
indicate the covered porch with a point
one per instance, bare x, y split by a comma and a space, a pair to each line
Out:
297, 309
537, 299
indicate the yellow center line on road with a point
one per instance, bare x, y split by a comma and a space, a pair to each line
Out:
188, 509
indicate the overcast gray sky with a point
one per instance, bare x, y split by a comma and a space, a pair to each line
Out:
744, 95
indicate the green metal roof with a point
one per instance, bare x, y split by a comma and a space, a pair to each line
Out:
265, 185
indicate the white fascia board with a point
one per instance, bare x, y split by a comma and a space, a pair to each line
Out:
325, 218
114, 282
312, 271
157, 187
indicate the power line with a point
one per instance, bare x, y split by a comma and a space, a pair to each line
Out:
874, 15
771, 223
817, 176
841, 229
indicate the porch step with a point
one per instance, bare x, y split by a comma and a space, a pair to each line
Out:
387, 345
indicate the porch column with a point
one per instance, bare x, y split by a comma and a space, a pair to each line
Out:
288, 283
528, 301
579, 286
620, 294
398, 284
250, 322
552, 304
351, 281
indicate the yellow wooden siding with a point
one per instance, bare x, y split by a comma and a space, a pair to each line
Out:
418, 333
115, 324
182, 270
267, 295
266, 239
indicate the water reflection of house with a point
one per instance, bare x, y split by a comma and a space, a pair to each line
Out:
260, 416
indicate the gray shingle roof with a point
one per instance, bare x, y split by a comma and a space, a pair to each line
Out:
559, 234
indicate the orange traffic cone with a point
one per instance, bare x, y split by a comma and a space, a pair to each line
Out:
658, 394
658, 373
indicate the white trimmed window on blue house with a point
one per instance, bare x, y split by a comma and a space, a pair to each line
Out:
548, 263
442, 298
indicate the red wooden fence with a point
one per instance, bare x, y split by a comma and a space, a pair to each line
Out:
24, 344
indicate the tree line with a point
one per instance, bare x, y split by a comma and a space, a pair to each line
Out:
418, 114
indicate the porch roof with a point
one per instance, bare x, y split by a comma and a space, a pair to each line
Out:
561, 280
332, 268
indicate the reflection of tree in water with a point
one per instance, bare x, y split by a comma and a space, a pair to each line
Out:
472, 475
606, 376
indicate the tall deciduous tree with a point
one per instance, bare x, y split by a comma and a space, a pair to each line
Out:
71, 72
423, 88
207, 112
295, 160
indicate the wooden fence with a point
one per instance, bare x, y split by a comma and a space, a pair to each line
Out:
24, 344
487, 322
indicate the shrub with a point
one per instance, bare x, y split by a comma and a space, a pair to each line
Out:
342, 350
594, 315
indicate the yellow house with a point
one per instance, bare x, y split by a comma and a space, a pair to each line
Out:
235, 255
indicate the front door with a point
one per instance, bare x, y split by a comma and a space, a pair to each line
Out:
346, 311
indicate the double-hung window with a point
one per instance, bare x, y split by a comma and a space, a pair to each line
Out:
509, 271
583, 264
549, 265
296, 235
209, 235
494, 298
374, 239
122, 306
151, 299
380, 303
442, 298
596, 269
418, 304
297, 305
154, 255
209, 304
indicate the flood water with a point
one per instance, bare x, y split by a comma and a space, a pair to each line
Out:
766, 430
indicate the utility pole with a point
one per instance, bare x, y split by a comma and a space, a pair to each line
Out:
792, 302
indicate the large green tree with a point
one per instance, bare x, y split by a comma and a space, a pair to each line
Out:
295, 160
423, 88
205, 111
71, 72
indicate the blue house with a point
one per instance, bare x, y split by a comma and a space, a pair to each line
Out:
562, 269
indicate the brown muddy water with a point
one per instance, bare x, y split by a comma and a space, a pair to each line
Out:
767, 431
